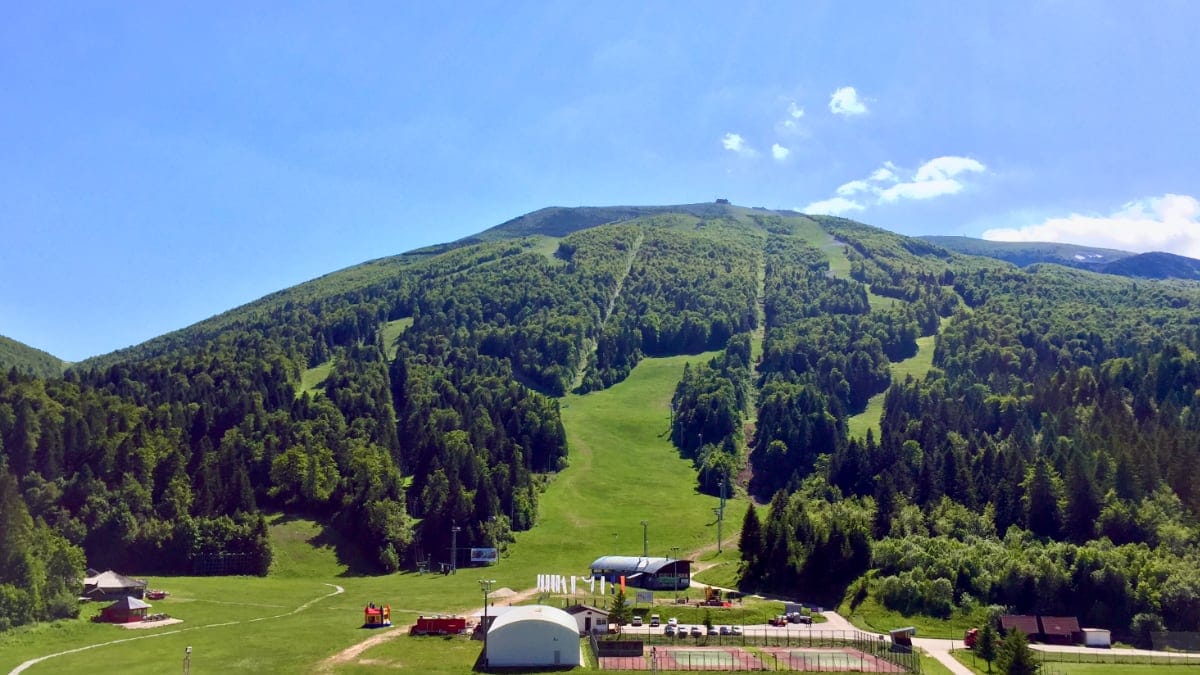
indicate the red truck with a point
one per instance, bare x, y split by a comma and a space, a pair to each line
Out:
439, 625
970, 637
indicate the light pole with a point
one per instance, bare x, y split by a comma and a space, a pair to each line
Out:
645, 540
187, 660
485, 585
720, 513
675, 557
454, 530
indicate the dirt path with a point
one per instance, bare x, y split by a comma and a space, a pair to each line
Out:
351, 653
32, 662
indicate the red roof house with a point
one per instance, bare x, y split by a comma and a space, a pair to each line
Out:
125, 610
1026, 623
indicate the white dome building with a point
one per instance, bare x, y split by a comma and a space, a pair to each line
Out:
533, 636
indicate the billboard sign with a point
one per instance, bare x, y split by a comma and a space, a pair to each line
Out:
484, 555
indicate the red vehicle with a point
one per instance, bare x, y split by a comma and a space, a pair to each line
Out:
439, 625
156, 594
971, 636
780, 620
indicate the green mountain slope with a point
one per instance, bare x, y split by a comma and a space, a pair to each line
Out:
415, 404
27, 359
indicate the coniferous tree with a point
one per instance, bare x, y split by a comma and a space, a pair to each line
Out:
1015, 657
985, 644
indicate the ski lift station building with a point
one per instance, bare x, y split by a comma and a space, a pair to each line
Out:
533, 636
662, 574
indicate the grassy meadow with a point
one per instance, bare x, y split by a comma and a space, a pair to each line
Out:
622, 470
917, 366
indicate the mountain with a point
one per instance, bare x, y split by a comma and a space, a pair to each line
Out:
932, 431
1024, 253
1155, 265
27, 359
1106, 261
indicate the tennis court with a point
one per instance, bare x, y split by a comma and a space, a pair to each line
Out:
827, 660
686, 658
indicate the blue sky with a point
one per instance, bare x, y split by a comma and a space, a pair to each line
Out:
163, 162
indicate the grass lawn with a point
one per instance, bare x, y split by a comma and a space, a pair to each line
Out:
967, 658
390, 332
872, 616
930, 665
622, 470
312, 379
917, 366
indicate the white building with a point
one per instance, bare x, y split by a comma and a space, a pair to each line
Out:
589, 619
533, 636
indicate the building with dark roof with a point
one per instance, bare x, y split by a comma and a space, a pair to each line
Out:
663, 574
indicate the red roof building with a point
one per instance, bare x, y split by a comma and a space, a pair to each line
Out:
1062, 630
1026, 623
125, 610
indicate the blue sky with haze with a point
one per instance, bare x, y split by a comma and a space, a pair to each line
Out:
164, 162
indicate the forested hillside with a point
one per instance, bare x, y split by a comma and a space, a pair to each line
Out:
26, 359
1046, 461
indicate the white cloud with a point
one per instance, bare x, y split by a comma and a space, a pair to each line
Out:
733, 142
884, 173
1168, 223
795, 111
845, 101
934, 178
942, 168
779, 152
890, 183
833, 207
854, 187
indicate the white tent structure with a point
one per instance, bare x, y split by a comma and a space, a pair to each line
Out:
533, 636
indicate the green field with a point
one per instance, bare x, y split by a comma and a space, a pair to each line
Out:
869, 615
622, 470
917, 366
1105, 662
312, 379
391, 331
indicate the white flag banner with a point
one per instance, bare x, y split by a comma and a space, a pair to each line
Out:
541, 584
601, 585
592, 585
573, 585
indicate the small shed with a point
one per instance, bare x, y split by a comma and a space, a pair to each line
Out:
126, 610
590, 619
533, 636
1096, 637
1062, 630
1026, 623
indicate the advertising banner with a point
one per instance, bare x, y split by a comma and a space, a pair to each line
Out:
484, 555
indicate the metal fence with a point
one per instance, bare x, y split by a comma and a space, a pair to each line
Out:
1176, 641
798, 650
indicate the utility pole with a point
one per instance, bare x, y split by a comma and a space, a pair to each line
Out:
485, 585
454, 530
720, 513
675, 556
645, 541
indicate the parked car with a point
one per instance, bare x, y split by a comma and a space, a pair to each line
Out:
682, 632
672, 621
797, 617
655, 620
735, 630
780, 620
637, 620
669, 630
696, 632
726, 630
712, 630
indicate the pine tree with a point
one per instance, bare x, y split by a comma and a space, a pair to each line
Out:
619, 613
1015, 656
985, 644
751, 541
